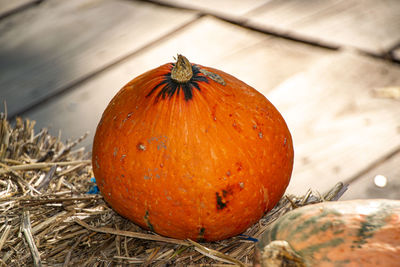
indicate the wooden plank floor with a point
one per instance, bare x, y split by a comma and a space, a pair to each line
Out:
62, 61
59, 43
369, 25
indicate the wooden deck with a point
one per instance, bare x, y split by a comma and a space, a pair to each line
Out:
331, 67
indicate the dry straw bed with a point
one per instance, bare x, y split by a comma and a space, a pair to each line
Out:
47, 217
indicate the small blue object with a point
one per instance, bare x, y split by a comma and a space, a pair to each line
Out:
94, 189
247, 237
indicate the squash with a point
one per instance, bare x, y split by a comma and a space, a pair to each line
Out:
345, 233
189, 151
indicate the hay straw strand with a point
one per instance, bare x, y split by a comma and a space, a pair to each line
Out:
4, 236
214, 254
41, 165
27, 230
131, 234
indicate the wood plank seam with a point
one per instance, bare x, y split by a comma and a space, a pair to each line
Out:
244, 22
375, 164
74, 84
392, 53
387, 56
21, 8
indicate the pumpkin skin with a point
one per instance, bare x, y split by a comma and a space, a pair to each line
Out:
202, 159
344, 233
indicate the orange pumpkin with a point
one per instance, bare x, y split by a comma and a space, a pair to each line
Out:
189, 151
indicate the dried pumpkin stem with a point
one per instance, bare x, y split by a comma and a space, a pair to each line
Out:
182, 71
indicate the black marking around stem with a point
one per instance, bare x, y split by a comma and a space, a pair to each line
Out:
168, 87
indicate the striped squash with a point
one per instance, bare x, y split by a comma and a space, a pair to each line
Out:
344, 233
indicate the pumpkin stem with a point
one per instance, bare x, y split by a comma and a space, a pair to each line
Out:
182, 71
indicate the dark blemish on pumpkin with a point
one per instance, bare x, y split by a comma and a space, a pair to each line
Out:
168, 87
230, 115
129, 114
140, 146
285, 141
226, 195
260, 135
239, 166
147, 221
146, 177
254, 126
220, 203
202, 231
115, 151
213, 76
200, 237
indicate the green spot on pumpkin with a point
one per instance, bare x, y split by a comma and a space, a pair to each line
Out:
372, 223
311, 223
147, 221
341, 263
274, 231
317, 247
294, 215
336, 226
